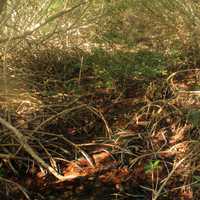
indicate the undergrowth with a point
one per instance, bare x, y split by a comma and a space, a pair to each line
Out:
68, 108
105, 103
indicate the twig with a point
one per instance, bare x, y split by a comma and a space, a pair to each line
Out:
80, 71
22, 189
57, 115
157, 193
22, 140
48, 20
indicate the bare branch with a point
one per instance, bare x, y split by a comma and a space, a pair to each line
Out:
22, 140
48, 20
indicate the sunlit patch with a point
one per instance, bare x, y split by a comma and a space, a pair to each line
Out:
22, 104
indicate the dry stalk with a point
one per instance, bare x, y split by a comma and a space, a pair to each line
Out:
57, 115
22, 189
157, 193
22, 140
170, 79
80, 71
100, 115
51, 18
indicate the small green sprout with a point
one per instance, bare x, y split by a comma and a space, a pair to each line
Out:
151, 166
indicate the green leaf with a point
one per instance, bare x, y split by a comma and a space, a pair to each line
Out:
152, 165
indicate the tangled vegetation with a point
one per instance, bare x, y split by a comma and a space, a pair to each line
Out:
99, 99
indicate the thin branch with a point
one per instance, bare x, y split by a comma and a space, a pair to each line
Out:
23, 190
22, 140
48, 20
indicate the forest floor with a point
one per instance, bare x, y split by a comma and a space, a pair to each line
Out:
138, 139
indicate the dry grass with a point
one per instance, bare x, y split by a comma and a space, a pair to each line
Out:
49, 131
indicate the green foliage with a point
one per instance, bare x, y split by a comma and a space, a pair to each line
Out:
56, 5
2, 172
167, 25
115, 27
194, 118
196, 179
151, 166
150, 64
120, 66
